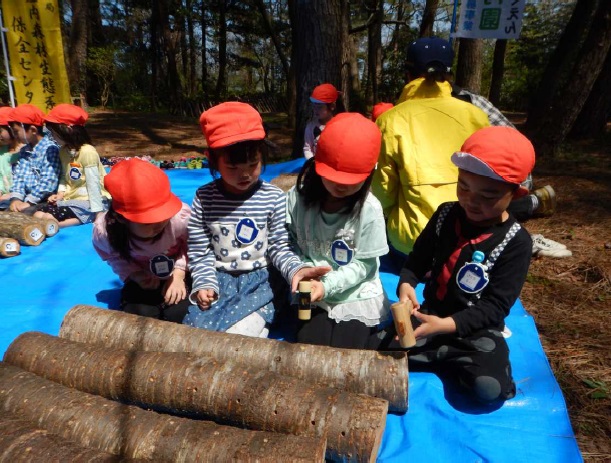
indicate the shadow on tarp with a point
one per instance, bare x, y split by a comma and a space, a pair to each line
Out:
39, 286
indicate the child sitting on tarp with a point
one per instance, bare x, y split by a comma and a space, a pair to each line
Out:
473, 257
9, 153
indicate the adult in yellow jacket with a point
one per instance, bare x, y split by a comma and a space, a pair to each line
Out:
415, 174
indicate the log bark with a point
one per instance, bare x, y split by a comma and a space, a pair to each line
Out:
9, 247
195, 385
49, 226
130, 432
365, 372
26, 234
22, 441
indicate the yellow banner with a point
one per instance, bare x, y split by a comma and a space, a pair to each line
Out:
36, 55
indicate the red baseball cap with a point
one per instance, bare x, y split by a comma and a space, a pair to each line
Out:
348, 149
141, 192
231, 122
498, 152
379, 109
27, 114
324, 93
5, 113
68, 114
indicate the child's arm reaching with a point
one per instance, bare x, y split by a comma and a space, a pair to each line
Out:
174, 288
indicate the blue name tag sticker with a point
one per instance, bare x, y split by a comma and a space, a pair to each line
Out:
341, 253
472, 278
75, 173
162, 266
246, 231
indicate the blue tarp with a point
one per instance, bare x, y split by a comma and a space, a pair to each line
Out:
39, 286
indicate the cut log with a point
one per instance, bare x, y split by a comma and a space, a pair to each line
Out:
383, 375
49, 226
126, 430
224, 391
9, 247
22, 441
26, 233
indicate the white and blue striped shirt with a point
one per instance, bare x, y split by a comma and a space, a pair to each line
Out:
220, 240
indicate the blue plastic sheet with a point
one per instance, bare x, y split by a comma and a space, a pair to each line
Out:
40, 285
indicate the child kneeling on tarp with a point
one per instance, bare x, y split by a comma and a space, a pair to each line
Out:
478, 257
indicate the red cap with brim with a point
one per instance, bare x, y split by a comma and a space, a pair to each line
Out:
5, 112
348, 149
27, 114
324, 94
68, 114
229, 123
141, 192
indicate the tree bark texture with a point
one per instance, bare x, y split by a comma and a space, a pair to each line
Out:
131, 432
360, 371
469, 64
49, 226
77, 49
9, 247
428, 18
498, 70
224, 391
22, 441
26, 234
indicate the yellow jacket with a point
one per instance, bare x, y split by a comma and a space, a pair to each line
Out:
415, 174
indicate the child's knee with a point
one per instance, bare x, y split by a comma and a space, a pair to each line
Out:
488, 389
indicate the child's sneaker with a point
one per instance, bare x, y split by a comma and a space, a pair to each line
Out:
545, 247
547, 201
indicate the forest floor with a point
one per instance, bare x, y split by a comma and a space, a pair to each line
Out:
570, 298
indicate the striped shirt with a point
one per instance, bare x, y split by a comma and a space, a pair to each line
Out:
37, 172
238, 233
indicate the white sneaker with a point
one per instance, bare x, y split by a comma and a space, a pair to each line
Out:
545, 247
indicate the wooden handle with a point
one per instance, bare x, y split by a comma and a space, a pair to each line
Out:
401, 313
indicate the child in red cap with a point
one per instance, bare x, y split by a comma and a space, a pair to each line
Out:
323, 98
143, 237
9, 153
473, 257
36, 175
335, 220
237, 232
81, 193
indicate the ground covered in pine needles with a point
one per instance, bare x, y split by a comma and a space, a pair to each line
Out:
570, 298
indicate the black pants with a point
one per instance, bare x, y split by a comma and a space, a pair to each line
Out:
150, 303
522, 208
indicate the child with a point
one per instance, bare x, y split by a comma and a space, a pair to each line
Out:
336, 221
36, 175
143, 237
81, 193
237, 230
324, 98
9, 153
477, 256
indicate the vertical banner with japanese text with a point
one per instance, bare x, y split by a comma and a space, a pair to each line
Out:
490, 19
36, 54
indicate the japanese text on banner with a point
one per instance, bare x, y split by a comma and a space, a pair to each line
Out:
35, 51
490, 19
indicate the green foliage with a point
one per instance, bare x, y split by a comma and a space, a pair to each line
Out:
101, 64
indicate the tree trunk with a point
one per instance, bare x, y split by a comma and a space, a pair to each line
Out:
319, 55
131, 432
192, 76
469, 64
291, 84
203, 24
226, 392
345, 103
49, 226
77, 49
21, 440
498, 70
428, 18
374, 52
346, 369
9, 247
568, 102
26, 233
221, 81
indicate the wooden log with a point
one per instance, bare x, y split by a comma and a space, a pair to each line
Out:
126, 430
25, 233
226, 392
9, 247
22, 441
49, 226
383, 375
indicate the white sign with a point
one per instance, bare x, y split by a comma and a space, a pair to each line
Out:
490, 19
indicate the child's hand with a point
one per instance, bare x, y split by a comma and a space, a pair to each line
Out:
308, 273
408, 293
432, 325
18, 206
145, 280
174, 289
318, 291
205, 298
56, 197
